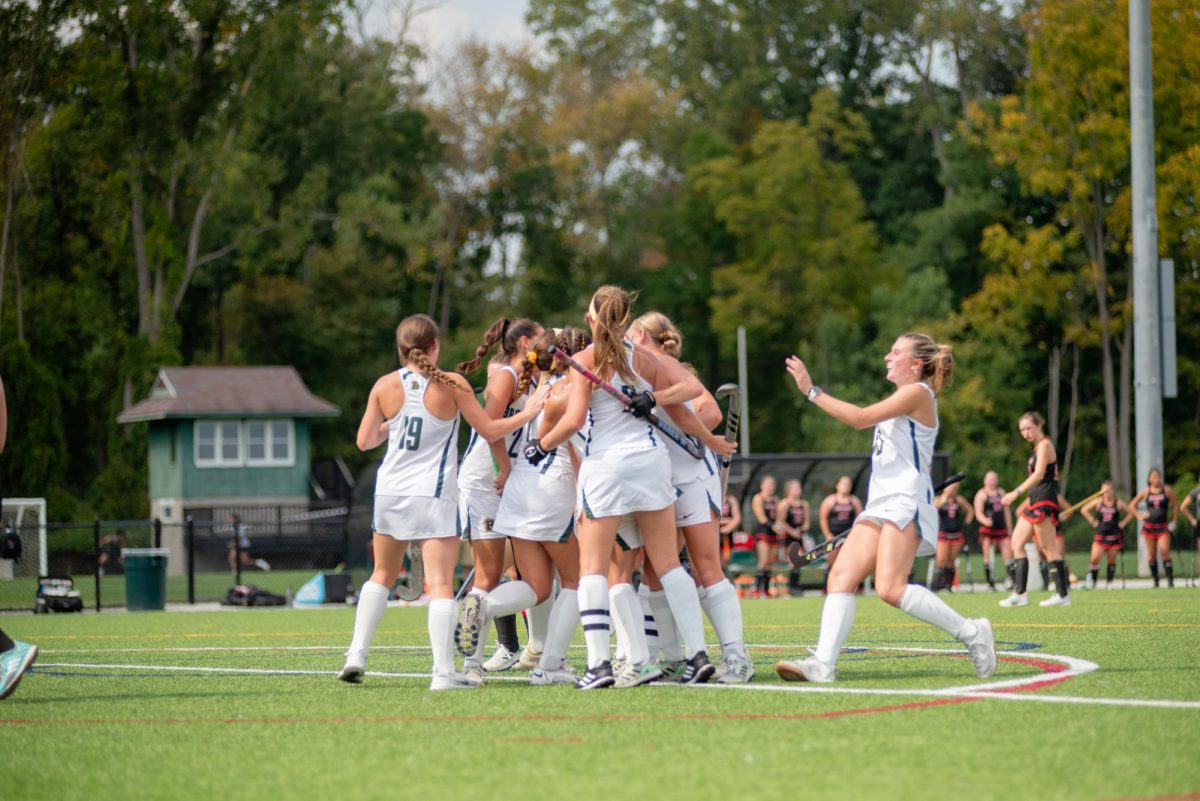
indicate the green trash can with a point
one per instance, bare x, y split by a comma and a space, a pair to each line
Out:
145, 578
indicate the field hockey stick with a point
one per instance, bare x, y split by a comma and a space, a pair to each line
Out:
693, 448
1075, 507
800, 558
468, 580
733, 424
416, 576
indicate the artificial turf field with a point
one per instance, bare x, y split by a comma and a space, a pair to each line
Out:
1100, 700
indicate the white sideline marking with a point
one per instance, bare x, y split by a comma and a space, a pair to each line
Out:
245, 671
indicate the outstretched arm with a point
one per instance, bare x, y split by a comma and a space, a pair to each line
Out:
905, 400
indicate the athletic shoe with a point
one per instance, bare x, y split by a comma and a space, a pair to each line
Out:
618, 665
1056, 600
738, 670
595, 678
451, 681
698, 670
501, 661
263, 565
529, 658
637, 675
982, 648
1016, 599
470, 624
1089, 582
13, 664
356, 666
673, 670
813, 670
473, 672
541, 677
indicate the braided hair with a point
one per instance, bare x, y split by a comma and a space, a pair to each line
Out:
505, 332
416, 336
569, 340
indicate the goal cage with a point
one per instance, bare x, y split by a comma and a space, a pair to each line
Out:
27, 518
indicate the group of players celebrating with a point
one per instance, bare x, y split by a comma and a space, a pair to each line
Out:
585, 490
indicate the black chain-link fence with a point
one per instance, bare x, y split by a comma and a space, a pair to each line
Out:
276, 548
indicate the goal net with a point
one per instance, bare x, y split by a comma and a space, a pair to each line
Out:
27, 518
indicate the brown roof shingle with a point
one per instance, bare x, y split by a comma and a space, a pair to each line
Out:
225, 391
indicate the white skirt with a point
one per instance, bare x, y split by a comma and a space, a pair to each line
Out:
477, 515
694, 505
901, 510
619, 482
536, 506
412, 517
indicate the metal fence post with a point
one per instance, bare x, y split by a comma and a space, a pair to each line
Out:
157, 526
96, 558
191, 552
237, 549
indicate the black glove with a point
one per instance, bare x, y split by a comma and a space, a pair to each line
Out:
533, 452
641, 402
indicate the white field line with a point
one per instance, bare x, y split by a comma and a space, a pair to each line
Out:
983, 691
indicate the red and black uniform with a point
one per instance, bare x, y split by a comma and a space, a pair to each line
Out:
1108, 527
950, 522
796, 518
1155, 524
1043, 496
994, 505
841, 517
738, 540
764, 532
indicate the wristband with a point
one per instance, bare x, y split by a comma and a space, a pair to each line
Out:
814, 392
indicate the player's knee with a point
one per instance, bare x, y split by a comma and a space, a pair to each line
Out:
890, 592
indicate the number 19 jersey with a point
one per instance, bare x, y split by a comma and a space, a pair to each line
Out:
422, 452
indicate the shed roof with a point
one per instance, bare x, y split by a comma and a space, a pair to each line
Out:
228, 391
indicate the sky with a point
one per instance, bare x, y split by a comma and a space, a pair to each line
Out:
438, 24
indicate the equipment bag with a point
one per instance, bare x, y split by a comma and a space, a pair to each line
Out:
57, 594
10, 544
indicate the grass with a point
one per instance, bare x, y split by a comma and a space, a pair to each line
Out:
89, 721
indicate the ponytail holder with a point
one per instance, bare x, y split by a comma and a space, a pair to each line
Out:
533, 357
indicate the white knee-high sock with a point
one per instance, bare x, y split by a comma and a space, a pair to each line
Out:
925, 606
594, 615
442, 617
837, 617
538, 618
564, 618
621, 649
685, 605
372, 602
650, 627
627, 615
724, 610
509, 598
664, 621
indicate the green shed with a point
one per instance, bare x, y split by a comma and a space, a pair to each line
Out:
226, 437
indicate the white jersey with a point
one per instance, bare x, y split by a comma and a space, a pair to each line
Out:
475, 474
901, 457
611, 428
557, 462
422, 452
685, 468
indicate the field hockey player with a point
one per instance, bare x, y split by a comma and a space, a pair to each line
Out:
899, 520
415, 410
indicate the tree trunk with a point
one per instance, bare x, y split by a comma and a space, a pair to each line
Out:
1053, 400
19, 301
141, 260
1069, 450
1093, 237
8, 212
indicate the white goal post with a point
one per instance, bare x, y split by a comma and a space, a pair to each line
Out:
27, 517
